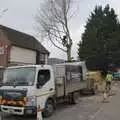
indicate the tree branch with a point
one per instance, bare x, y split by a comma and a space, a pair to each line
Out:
53, 19
56, 45
50, 33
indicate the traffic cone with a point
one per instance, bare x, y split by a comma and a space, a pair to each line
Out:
39, 113
105, 97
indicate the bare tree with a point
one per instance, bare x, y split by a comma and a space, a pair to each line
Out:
53, 19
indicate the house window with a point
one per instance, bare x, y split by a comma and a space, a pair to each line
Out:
42, 58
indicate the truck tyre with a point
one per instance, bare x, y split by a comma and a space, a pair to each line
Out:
95, 90
75, 98
49, 108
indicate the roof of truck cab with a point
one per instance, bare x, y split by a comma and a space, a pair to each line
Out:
24, 66
72, 63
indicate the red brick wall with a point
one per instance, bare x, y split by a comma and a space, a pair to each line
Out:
4, 43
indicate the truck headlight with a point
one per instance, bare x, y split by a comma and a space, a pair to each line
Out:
31, 101
0, 99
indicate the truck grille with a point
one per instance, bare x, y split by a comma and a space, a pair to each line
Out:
13, 97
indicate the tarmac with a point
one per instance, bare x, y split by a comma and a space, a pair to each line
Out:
109, 110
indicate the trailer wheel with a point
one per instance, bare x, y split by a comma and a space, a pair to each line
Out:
49, 108
75, 98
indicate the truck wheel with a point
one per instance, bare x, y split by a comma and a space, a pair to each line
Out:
49, 108
75, 98
95, 90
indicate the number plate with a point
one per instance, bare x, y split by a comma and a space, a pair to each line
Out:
11, 110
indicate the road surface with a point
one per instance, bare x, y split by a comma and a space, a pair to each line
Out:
111, 110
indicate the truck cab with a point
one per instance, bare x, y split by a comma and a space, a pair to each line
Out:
21, 87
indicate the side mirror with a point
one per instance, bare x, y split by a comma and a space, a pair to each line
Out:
37, 86
1, 84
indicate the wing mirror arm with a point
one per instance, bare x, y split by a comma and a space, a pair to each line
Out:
37, 86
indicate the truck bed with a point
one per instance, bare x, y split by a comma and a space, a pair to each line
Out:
68, 78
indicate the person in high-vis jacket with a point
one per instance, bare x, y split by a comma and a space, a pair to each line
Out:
109, 78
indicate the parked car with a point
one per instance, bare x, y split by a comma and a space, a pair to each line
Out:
116, 75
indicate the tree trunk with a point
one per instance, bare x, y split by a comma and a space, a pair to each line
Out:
69, 57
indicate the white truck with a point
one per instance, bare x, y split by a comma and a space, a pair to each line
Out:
24, 85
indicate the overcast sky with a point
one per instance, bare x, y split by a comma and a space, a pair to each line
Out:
21, 13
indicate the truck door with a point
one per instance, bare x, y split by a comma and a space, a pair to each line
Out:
45, 86
45, 83
45, 89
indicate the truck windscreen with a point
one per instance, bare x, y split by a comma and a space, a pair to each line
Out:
23, 76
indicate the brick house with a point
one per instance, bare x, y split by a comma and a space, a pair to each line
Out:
18, 48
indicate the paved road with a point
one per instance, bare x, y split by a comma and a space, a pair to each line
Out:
111, 110
89, 108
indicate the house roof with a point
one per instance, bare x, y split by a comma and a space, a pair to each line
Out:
23, 40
